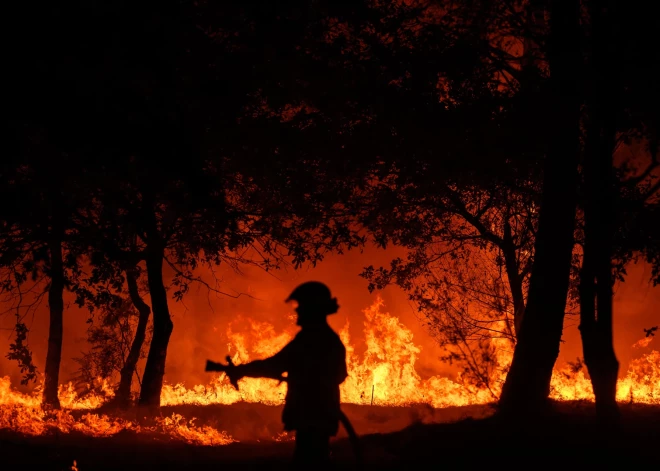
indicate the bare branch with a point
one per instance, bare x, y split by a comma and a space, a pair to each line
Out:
210, 288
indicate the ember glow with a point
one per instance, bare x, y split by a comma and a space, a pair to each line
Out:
384, 375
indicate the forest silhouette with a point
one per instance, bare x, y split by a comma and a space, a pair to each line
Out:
510, 148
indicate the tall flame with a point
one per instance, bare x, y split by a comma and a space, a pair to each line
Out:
384, 375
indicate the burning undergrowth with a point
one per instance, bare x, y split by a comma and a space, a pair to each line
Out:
381, 381
210, 425
30, 419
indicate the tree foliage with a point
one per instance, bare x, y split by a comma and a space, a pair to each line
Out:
110, 335
19, 351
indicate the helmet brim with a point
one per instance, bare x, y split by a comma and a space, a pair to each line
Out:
289, 299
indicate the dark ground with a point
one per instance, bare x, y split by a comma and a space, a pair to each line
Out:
569, 439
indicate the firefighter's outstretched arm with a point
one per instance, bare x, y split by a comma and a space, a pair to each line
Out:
272, 367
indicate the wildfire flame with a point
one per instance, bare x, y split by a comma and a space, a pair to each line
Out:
643, 343
384, 375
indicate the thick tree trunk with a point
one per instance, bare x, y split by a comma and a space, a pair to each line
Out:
123, 393
596, 333
527, 385
152, 382
596, 278
50, 398
602, 363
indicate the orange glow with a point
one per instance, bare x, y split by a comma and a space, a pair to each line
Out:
385, 375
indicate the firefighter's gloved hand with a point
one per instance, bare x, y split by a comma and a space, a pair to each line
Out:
233, 372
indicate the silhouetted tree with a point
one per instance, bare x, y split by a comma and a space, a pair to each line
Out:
43, 176
129, 369
467, 269
596, 276
527, 385
614, 114
36, 241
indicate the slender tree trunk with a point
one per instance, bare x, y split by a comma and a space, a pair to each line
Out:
123, 393
55, 331
515, 280
596, 278
527, 385
152, 382
518, 303
515, 285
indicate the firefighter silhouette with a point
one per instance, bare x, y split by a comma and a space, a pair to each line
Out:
315, 364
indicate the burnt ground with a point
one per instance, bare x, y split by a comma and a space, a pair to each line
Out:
469, 438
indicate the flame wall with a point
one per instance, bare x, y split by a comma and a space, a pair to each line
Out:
201, 321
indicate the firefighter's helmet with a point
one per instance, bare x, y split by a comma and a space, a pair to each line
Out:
315, 295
